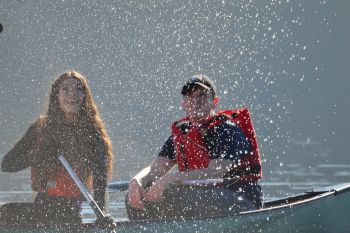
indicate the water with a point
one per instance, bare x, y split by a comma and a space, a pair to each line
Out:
288, 61
293, 179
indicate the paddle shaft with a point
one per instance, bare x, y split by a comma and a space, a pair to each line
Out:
82, 188
123, 185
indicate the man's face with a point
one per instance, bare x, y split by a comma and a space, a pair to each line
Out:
198, 103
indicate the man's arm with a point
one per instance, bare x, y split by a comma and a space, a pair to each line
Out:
145, 177
157, 169
216, 169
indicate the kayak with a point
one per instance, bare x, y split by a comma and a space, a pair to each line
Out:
324, 210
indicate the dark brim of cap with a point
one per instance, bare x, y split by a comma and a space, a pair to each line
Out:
199, 81
188, 87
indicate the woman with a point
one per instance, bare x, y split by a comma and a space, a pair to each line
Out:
72, 127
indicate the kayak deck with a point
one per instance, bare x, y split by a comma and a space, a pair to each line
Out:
319, 210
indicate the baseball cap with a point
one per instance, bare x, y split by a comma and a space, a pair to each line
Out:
199, 80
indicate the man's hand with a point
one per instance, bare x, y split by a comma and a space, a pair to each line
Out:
136, 193
148, 175
155, 193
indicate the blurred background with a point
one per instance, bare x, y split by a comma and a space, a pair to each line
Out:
287, 61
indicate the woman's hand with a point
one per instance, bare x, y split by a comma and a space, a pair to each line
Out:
156, 191
136, 193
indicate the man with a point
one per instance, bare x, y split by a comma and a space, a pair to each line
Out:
206, 146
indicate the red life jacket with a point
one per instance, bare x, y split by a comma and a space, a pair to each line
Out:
56, 183
191, 151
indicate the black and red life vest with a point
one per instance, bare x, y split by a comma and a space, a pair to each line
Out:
192, 153
57, 182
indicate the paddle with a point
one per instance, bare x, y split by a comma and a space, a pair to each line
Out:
115, 186
124, 185
103, 221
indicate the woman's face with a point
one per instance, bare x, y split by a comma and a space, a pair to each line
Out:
70, 97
